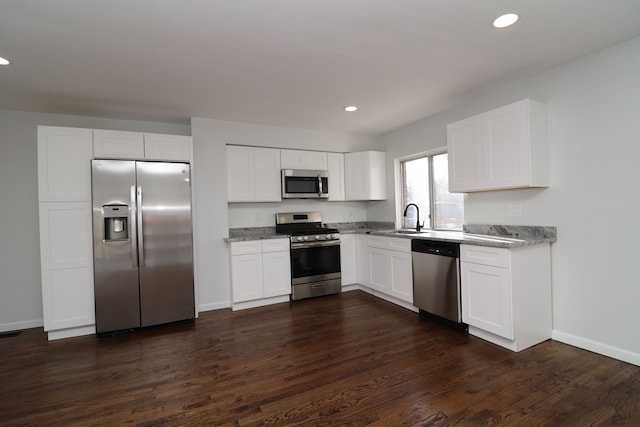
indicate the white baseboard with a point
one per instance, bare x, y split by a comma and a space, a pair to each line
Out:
71, 332
385, 297
18, 326
260, 302
214, 306
596, 347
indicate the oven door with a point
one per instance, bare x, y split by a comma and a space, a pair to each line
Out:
315, 261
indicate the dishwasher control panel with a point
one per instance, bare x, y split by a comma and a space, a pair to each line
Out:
435, 247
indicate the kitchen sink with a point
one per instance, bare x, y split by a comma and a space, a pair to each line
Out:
412, 232
404, 232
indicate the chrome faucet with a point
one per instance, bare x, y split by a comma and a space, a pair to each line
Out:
418, 225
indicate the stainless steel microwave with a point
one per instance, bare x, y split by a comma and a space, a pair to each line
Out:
305, 184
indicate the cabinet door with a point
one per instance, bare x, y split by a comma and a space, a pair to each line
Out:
365, 176
115, 144
486, 298
464, 146
64, 164
241, 186
276, 271
348, 261
355, 176
401, 275
335, 166
246, 277
267, 175
380, 263
377, 167
506, 150
363, 264
303, 159
167, 147
66, 258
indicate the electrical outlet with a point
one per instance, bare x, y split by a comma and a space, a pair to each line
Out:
515, 210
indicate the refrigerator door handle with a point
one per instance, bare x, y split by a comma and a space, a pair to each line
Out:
132, 220
140, 229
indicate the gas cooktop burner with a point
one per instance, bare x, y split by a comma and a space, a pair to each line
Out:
305, 227
321, 230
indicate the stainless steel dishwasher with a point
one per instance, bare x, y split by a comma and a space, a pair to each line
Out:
436, 279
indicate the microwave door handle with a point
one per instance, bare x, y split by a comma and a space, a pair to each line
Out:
319, 186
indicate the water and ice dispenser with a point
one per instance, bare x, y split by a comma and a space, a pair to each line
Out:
116, 222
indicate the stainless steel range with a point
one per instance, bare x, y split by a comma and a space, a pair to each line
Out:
315, 254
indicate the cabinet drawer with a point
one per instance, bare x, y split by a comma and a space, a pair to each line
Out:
245, 248
402, 245
497, 257
275, 245
390, 243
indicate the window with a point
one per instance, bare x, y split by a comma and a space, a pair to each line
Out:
425, 182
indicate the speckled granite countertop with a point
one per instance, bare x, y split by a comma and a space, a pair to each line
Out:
504, 236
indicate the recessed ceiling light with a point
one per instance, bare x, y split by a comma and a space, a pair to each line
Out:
350, 108
505, 20
4, 61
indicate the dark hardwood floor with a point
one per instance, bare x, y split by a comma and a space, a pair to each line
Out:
346, 360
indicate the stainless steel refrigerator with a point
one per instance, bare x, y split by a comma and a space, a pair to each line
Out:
142, 243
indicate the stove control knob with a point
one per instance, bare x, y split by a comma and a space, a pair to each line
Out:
300, 238
335, 236
317, 237
306, 237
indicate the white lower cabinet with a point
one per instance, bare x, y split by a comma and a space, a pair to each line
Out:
66, 259
276, 273
506, 294
384, 265
348, 261
260, 272
363, 264
487, 296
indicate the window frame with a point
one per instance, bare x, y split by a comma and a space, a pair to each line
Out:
399, 190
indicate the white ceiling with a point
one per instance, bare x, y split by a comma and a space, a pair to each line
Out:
292, 63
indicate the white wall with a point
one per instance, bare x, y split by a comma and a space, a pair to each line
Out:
214, 216
20, 289
594, 136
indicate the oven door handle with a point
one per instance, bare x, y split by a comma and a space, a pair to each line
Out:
295, 246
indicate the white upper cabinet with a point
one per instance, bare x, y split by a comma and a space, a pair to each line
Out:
64, 164
302, 159
365, 175
116, 144
167, 147
253, 174
500, 149
335, 163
